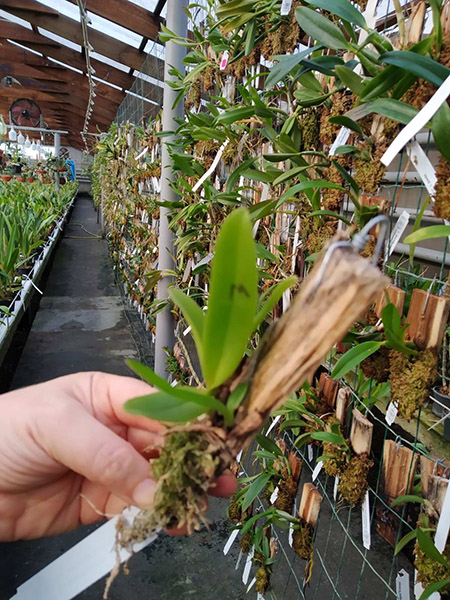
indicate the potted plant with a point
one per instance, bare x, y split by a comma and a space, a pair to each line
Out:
6, 174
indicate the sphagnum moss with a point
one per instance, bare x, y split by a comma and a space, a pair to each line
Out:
430, 571
302, 540
353, 481
185, 471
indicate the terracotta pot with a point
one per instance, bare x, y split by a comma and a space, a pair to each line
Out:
6, 177
22, 179
30, 179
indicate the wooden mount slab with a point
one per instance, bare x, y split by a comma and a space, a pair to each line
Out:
310, 504
416, 22
397, 478
296, 464
390, 294
328, 389
437, 488
361, 433
432, 473
427, 318
342, 405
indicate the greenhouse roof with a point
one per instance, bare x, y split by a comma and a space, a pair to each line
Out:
42, 47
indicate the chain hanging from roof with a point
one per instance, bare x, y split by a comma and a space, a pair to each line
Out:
85, 20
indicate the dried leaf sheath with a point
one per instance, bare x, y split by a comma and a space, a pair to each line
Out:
318, 318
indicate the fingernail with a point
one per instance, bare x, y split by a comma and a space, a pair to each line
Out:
144, 492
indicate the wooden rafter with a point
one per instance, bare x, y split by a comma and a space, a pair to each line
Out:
71, 30
124, 13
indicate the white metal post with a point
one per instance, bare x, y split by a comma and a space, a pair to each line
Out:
177, 22
57, 148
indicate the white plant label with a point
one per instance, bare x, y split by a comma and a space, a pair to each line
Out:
317, 470
142, 154
365, 513
440, 539
273, 424
224, 61
238, 562
81, 566
251, 584
212, 168
402, 585
286, 300
259, 596
418, 123
310, 453
239, 456
397, 232
248, 566
231, 540
336, 486
274, 495
286, 6
291, 527
423, 166
341, 140
391, 413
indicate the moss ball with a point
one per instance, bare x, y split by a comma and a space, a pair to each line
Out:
262, 580
302, 540
429, 571
442, 197
353, 481
411, 378
377, 366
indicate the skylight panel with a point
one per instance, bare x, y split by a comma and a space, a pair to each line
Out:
116, 31
109, 61
65, 8
60, 40
25, 48
14, 19
64, 65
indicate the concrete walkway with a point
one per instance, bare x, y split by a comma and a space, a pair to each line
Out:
82, 325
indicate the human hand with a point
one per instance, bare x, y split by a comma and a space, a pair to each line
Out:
70, 454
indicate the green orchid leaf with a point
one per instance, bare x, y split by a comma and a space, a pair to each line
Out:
237, 396
421, 66
269, 445
405, 540
255, 489
342, 9
434, 587
327, 436
286, 65
354, 357
407, 498
164, 407
350, 79
194, 315
440, 127
426, 544
232, 299
276, 292
347, 122
394, 109
321, 29
428, 233
309, 185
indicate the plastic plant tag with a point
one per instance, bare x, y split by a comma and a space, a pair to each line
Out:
142, 154
310, 453
317, 470
238, 562
417, 123
273, 424
341, 140
397, 233
259, 596
286, 300
81, 566
335, 487
423, 166
239, 456
286, 6
224, 61
231, 540
248, 566
391, 413
402, 585
365, 513
251, 584
291, 527
443, 526
274, 495
212, 168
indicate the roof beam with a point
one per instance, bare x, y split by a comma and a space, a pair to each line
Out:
10, 30
132, 17
71, 30
60, 53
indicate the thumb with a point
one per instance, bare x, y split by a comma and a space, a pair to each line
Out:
81, 443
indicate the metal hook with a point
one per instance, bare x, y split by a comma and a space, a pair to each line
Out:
358, 243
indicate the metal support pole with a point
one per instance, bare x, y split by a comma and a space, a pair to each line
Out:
177, 22
57, 147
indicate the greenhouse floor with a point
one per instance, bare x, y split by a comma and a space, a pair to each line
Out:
83, 324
